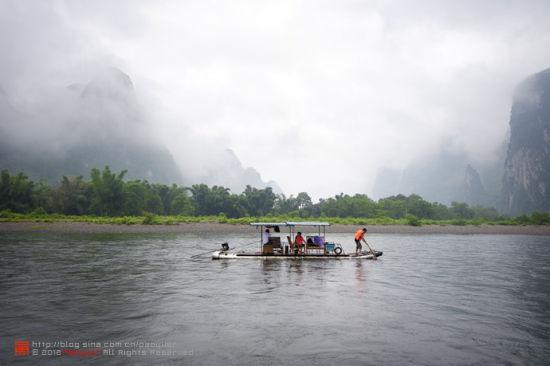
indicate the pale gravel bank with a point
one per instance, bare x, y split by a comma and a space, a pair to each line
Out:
204, 227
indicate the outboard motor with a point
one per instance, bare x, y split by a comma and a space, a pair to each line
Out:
225, 247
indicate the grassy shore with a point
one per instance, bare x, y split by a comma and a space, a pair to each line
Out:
210, 228
149, 219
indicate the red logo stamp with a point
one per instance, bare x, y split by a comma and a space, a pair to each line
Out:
22, 348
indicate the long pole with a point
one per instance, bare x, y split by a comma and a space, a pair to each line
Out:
372, 251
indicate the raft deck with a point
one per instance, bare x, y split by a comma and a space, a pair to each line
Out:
229, 255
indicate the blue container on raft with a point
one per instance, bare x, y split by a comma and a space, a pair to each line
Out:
329, 247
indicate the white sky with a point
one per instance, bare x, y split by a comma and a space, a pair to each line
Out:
316, 95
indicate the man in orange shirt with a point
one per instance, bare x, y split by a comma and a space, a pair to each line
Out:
360, 236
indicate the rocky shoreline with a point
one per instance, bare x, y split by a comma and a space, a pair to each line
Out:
210, 227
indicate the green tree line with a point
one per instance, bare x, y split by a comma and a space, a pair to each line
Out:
106, 193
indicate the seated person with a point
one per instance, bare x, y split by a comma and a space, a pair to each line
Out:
266, 236
299, 240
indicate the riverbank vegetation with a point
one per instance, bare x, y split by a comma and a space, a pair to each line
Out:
108, 199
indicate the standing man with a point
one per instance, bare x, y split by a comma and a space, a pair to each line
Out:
360, 236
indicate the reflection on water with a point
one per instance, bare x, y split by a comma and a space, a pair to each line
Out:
431, 299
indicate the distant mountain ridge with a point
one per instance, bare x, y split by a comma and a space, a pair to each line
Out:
227, 170
446, 177
99, 123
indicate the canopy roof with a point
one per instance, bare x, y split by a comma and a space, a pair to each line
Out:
291, 223
268, 224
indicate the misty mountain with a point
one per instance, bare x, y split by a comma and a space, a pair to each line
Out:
524, 167
526, 180
447, 176
82, 127
102, 122
474, 190
224, 168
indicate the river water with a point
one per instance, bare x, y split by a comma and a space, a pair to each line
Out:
430, 299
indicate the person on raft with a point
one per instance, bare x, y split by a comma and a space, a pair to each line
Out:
360, 236
299, 240
266, 237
